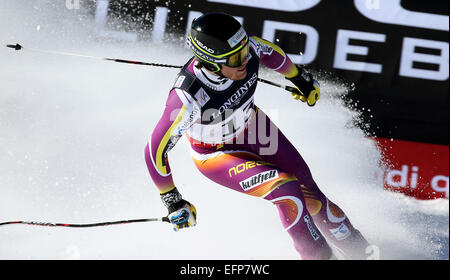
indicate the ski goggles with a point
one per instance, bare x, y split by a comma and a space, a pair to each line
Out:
238, 58
232, 59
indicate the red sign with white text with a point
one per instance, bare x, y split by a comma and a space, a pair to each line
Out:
415, 169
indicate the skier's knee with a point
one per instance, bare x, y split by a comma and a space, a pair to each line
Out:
285, 184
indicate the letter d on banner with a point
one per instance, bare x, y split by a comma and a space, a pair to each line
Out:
401, 174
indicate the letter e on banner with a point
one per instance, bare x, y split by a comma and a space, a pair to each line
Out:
343, 48
409, 56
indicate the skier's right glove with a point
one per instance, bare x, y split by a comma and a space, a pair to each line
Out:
307, 88
182, 214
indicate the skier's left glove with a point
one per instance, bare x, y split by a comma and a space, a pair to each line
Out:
182, 214
308, 89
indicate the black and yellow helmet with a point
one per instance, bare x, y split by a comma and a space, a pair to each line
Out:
217, 39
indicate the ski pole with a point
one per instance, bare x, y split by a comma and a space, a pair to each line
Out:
48, 224
18, 47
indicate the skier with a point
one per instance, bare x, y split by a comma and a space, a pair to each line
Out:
212, 103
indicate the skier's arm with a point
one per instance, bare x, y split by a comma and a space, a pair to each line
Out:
275, 58
163, 139
176, 119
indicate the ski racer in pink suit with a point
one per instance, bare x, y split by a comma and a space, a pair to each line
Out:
236, 145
